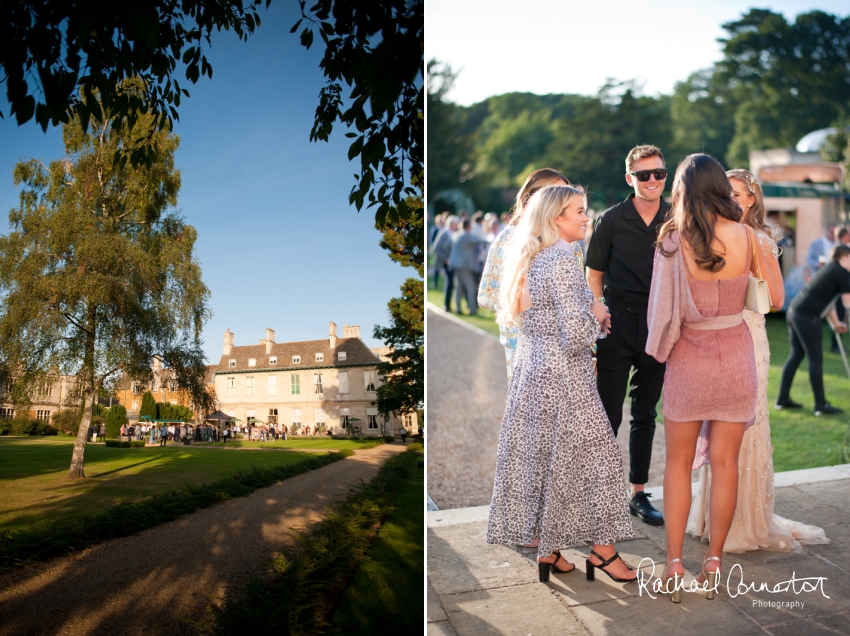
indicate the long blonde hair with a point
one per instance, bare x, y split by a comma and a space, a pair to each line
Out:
535, 231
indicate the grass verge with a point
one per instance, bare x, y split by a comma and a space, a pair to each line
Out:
49, 540
306, 580
384, 598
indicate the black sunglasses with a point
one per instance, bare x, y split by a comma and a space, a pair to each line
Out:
643, 175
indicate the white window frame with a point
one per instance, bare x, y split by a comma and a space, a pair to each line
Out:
369, 381
344, 387
249, 386
231, 363
295, 384
7, 413
43, 415
296, 359
341, 355
318, 385
252, 362
296, 416
273, 417
319, 416
407, 420
272, 360
320, 357
272, 385
135, 406
231, 387
372, 417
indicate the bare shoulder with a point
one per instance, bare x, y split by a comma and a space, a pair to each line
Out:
732, 233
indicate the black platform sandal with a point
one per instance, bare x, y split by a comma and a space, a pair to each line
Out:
544, 568
604, 564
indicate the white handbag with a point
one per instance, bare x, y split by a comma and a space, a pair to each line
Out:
758, 293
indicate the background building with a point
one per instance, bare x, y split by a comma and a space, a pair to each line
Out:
47, 400
314, 383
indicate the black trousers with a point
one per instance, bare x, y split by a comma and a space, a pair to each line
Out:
806, 335
450, 286
623, 349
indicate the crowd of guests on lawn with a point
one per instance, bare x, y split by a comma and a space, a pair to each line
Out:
162, 433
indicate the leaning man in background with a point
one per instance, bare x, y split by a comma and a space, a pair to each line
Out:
619, 272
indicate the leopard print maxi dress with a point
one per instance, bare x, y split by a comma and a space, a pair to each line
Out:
559, 473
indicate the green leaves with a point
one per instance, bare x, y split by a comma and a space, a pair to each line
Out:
375, 50
57, 57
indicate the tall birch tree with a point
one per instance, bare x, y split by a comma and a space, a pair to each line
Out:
98, 274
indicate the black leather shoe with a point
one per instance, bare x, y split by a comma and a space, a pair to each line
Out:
827, 409
640, 507
786, 404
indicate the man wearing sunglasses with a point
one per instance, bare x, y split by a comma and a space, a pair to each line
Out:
619, 271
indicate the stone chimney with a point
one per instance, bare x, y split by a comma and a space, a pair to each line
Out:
269, 341
156, 363
351, 332
332, 334
228, 342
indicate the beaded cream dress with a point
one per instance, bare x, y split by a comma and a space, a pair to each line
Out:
754, 526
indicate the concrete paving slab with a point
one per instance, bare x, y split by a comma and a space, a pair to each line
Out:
511, 611
435, 611
694, 616
441, 629
459, 560
821, 626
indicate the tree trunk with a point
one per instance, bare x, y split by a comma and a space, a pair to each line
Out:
90, 395
78, 458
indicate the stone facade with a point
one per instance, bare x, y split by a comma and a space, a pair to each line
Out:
310, 383
46, 401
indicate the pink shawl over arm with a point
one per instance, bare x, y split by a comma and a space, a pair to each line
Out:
670, 300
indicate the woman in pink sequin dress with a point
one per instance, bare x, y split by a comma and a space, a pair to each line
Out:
755, 526
696, 325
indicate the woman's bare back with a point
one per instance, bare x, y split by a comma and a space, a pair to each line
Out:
731, 241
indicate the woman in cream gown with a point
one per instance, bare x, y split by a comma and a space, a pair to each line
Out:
755, 526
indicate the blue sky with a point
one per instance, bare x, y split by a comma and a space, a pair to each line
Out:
279, 245
551, 46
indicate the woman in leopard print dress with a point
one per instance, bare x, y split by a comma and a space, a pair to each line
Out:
559, 473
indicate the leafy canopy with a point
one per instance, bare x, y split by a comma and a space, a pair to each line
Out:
56, 56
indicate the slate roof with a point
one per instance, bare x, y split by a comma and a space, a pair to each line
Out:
357, 355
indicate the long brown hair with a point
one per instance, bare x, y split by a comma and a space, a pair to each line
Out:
534, 182
701, 193
755, 216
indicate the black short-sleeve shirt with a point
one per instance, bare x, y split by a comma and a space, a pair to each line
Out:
623, 248
830, 281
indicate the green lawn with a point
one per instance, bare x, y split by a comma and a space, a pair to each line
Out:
34, 486
800, 439
385, 594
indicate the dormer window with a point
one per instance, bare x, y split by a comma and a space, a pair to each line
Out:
296, 359
231, 363
252, 362
273, 360
320, 357
340, 356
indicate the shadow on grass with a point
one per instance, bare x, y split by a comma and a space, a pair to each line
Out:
43, 493
156, 583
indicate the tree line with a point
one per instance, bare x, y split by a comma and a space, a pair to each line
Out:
778, 80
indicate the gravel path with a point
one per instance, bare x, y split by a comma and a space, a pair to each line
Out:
155, 582
467, 385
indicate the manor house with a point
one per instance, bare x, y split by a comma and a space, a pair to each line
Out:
325, 383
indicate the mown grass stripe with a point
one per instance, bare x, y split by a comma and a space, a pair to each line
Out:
20, 547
